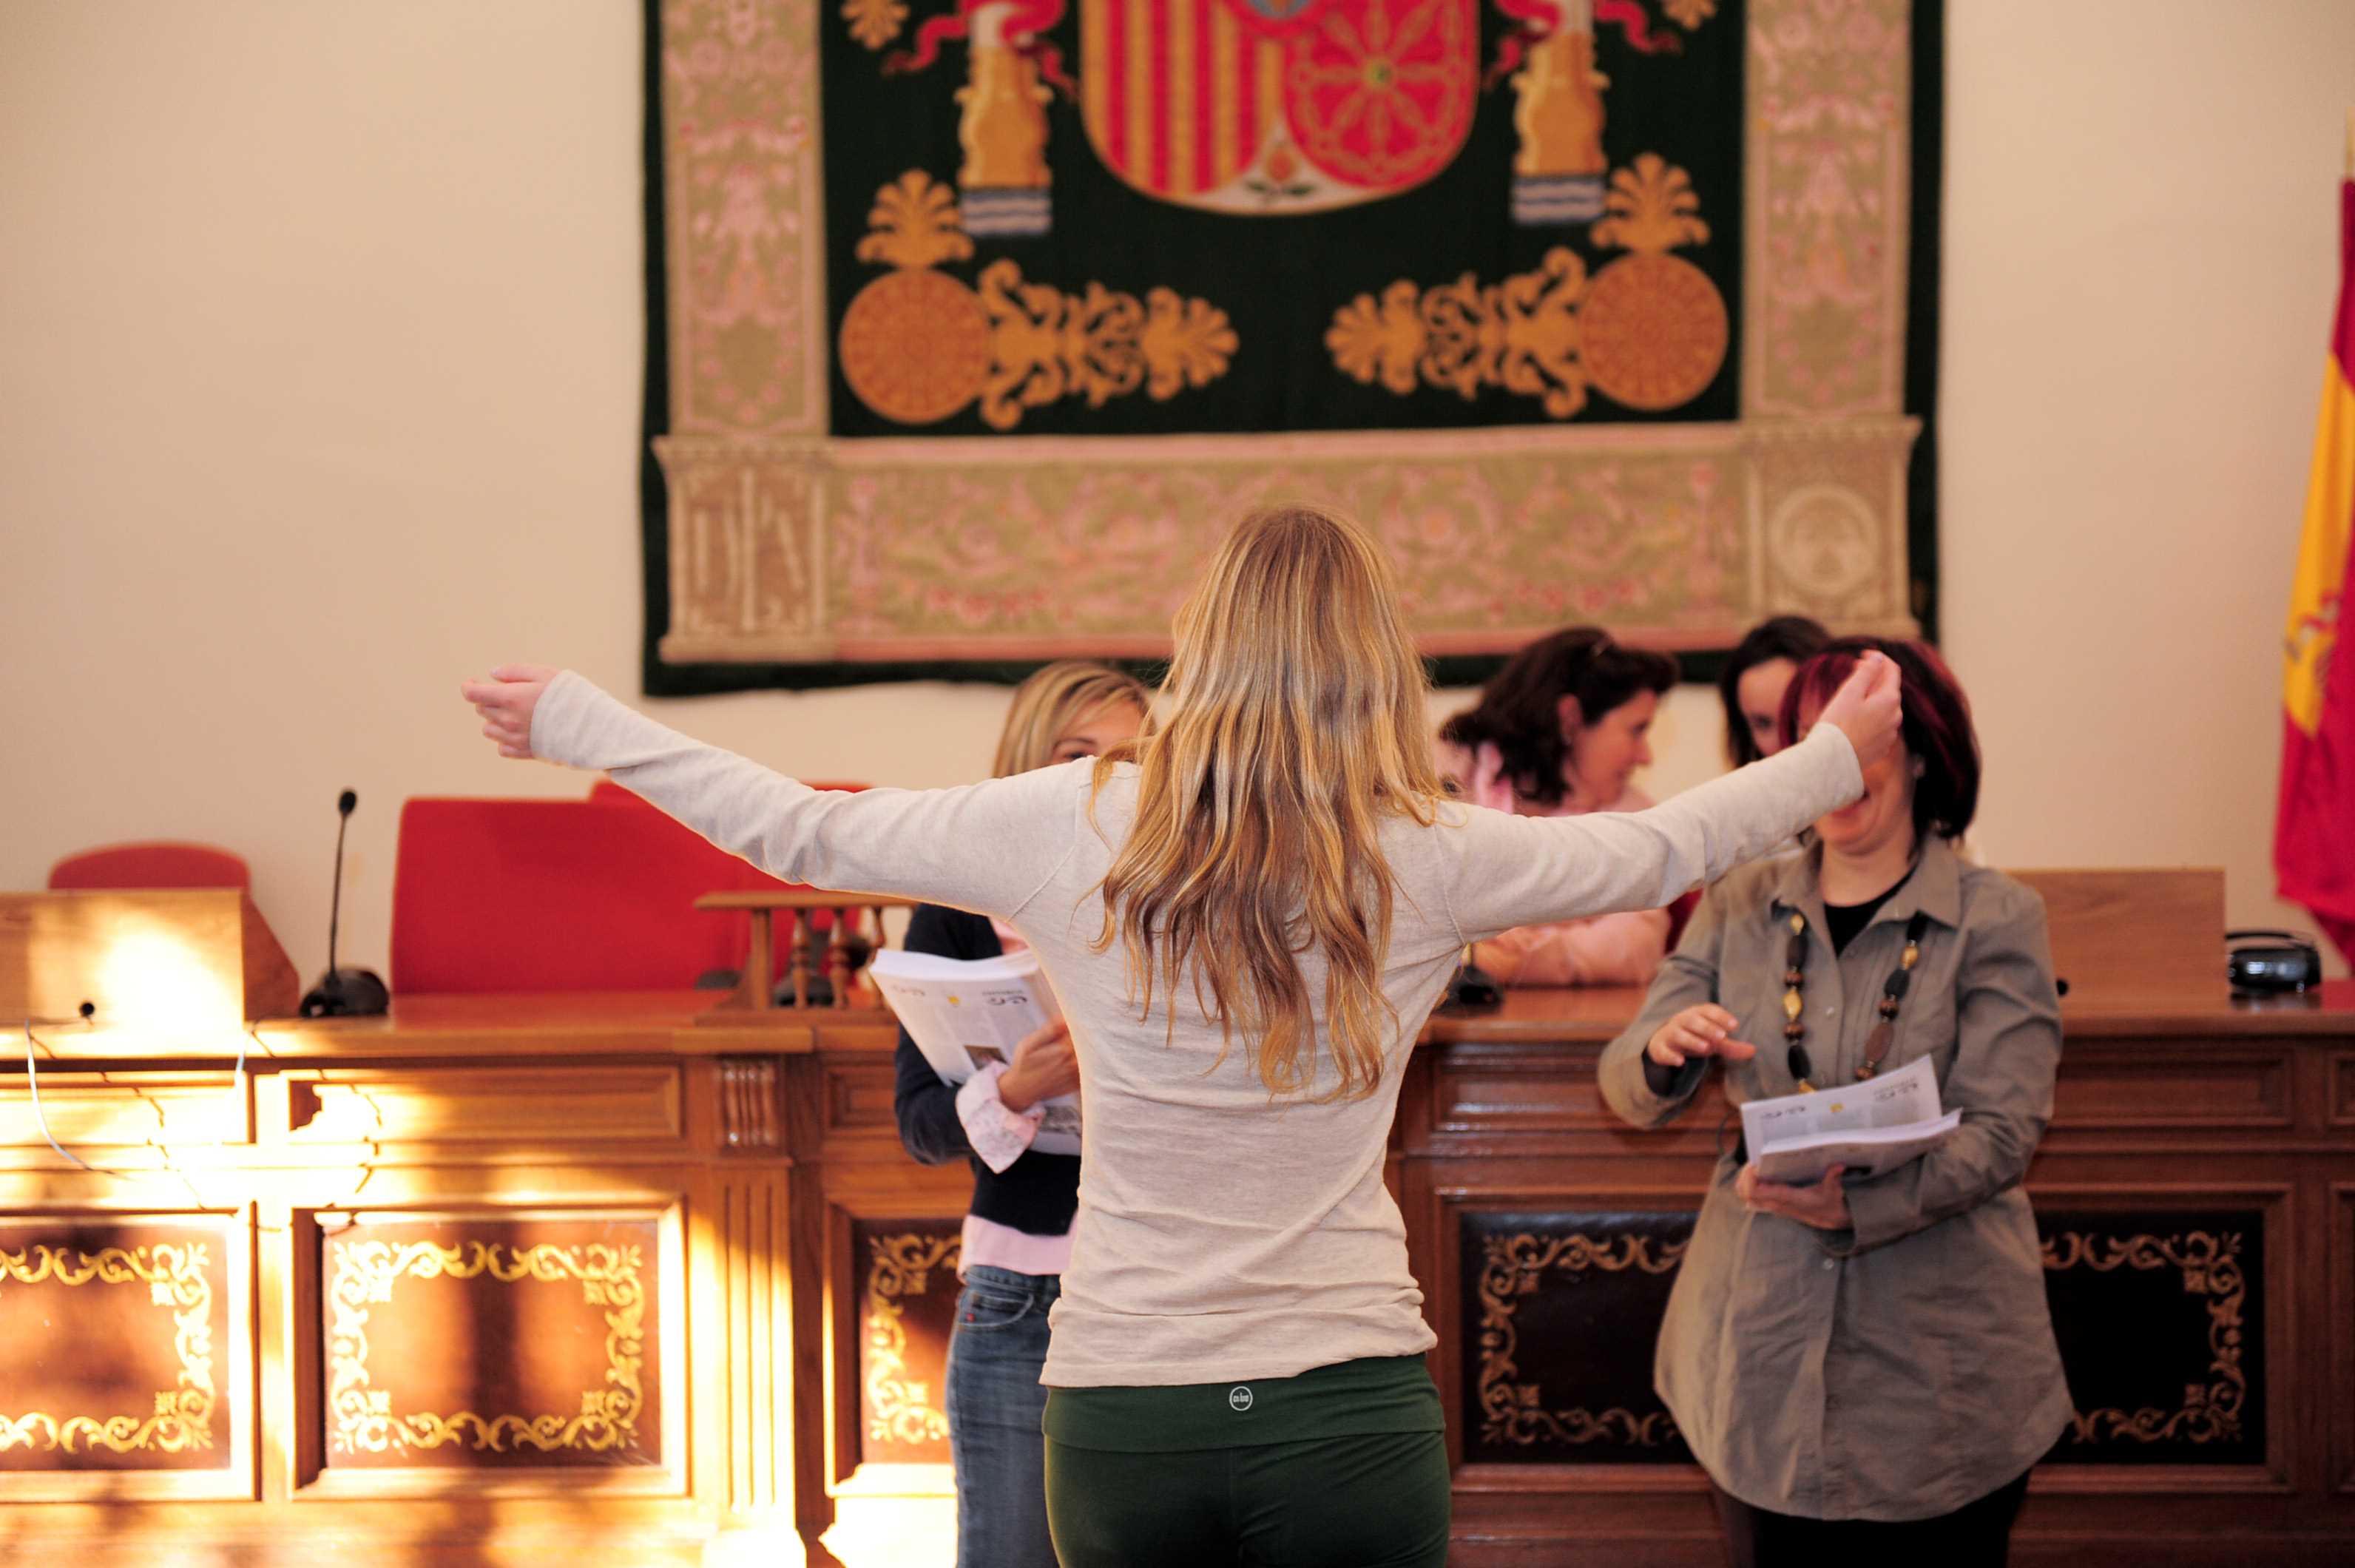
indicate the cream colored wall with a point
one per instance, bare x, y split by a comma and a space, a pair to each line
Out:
320, 377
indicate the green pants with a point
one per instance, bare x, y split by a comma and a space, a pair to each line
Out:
1345, 1467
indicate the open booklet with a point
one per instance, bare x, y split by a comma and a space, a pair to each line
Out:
965, 1013
1870, 1126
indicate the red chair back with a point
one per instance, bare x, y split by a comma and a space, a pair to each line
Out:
151, 865
557, 895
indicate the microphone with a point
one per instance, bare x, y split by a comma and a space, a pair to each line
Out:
343, 992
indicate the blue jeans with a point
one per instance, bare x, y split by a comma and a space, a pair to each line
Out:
996, 1406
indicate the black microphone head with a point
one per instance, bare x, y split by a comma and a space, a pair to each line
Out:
346, 801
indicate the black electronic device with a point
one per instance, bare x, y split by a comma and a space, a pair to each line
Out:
2270, 961
343, 992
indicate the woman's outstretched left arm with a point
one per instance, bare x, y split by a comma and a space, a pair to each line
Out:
987, 847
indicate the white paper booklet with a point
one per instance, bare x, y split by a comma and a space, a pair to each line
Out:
1870, 1126
965, 1013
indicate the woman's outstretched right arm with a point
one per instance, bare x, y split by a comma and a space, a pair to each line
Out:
984, 847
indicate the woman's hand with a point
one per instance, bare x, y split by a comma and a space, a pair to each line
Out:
1044, 1066
1701, 1029
1868, 708
1822, 1204
505, 701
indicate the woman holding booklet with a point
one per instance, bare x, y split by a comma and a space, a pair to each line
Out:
1864, 1365
1247, 915
1017, 1231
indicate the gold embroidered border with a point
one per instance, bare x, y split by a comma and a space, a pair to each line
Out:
1515, 1412
2210, 1267
361, 1416
897, 1409
174, 1276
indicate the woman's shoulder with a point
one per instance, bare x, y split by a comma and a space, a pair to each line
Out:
1749, 886
1989, 897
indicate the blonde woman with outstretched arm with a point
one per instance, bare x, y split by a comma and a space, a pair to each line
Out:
1247, 915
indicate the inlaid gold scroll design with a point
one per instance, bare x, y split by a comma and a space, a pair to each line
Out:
174, 1275
1514, 1411
2210, 1267
361, 1416
1648, 329
918, 345
899, 1408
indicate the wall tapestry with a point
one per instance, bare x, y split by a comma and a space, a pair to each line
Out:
973, 322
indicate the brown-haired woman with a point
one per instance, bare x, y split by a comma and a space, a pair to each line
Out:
1864, 1367
1559, 731
1247, 915
1018, 1229
1756, 674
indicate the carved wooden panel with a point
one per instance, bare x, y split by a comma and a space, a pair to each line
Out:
906, 1293
748, 1119
2160, 1315
483, 1105
162, 1108
2342, 1091
491, 1342
1530, 1091
2182, 1087
1560, 1312
859, 1097
115, 1344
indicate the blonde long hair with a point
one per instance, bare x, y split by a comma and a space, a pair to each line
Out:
1295, 726
1050, 701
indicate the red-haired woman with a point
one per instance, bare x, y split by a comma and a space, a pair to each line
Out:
1865, 1364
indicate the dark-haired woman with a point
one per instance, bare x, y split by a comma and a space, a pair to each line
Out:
1559, 731
1864, 1367
1756, 674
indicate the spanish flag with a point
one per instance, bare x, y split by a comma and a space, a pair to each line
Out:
2314, 832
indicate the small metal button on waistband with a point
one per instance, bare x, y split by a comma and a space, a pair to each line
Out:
1239, 1398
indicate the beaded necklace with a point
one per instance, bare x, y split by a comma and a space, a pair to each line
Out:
1794, 1005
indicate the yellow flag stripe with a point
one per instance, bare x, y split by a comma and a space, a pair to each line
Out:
2314, 607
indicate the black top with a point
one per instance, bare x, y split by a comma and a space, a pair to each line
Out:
1037, 1193
1844, 920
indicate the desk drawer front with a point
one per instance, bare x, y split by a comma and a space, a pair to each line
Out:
578, 1105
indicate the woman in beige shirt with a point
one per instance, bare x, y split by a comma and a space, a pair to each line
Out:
1869, 1365
1247, 914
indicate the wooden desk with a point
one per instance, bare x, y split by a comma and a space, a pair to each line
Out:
497, 1279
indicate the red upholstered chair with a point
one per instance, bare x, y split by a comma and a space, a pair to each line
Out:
151, 865
557, 895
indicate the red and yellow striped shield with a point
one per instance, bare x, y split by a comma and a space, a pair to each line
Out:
1277, 106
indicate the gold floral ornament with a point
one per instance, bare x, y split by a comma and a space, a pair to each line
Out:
918, 346
1522, 335
900, 1409
1656, 326
174, 1276
875, 22
1689, 14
